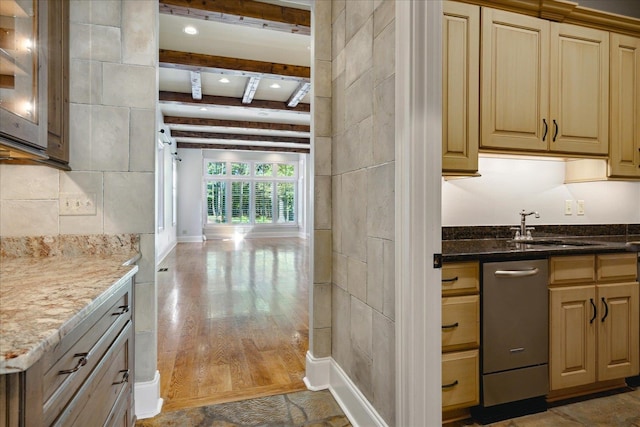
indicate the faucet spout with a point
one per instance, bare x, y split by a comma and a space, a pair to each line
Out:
523, 221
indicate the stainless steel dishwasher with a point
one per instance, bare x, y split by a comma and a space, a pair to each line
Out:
515, 338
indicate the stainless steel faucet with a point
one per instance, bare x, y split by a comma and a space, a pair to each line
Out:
521, 233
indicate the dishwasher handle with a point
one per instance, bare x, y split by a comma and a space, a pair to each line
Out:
517, 273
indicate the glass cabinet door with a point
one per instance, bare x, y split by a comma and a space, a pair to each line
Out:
20, 106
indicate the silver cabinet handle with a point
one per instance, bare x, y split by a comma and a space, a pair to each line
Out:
517, 273
84, 357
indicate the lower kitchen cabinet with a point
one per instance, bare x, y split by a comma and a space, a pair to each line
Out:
460, 338
594, 325
82, 381
460, 379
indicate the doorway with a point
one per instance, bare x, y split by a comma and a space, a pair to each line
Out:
233, 315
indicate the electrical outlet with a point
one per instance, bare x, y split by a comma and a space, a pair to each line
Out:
568, 205
77, 204
580, 209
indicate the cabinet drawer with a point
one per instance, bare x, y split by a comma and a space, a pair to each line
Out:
460, 380
460, 322
460, 277
95, 402
618, 267
72, 361
572, 269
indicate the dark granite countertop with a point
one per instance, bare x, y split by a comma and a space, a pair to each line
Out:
494, 249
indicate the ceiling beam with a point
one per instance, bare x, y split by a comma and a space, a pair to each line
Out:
238, 137
233, 66
194, 121
196, 85
243, 12
300, 92
185, 98
250, 90
242, 147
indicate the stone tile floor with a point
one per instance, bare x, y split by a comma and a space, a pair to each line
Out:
615, 410
304, 408
308, 408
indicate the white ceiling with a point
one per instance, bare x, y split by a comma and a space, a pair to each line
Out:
235, 41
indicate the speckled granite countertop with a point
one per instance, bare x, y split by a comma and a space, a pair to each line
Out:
507, 249
43, 297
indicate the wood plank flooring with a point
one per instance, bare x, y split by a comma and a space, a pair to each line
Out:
233, 321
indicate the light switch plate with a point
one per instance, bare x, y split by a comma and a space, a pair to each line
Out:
77, 204
580, 209
568, 205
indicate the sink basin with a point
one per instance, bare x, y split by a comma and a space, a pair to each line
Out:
556, 242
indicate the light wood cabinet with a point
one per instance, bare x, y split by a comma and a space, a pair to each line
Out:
83, 380
544, 86
514, 81
624, 151
579, 90
460, 88
594, 325
460, 338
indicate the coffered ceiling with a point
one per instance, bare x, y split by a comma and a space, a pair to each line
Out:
243, 80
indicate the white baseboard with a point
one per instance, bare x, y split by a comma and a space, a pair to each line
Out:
147, 397
317, 372
166, 252
323, 373
190, 239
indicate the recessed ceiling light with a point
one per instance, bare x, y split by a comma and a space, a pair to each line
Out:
191, 30
275, 86
203, 108
224, 80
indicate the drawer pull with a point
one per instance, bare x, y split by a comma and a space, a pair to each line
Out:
123, 309
453, 279
451, 326
83, 361
125, 377
453, 384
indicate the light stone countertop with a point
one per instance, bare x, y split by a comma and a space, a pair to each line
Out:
42, 299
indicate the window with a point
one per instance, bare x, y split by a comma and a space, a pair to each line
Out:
250, 192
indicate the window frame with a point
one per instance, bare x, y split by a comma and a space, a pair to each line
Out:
252, 178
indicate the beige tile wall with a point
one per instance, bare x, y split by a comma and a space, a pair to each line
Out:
362, 197
113, 94
320, 336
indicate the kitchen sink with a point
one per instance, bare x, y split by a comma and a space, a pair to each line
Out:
556, 242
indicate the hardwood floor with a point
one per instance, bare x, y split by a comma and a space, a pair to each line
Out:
233, 320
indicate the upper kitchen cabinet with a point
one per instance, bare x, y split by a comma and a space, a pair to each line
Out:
624, 151
23, 83
579, 90
34, 83
460, 88
544, 86
515, 81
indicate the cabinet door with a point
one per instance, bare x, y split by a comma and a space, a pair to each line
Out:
460, 88
618, 325
624, 147
579, 90
573, 317
515, 73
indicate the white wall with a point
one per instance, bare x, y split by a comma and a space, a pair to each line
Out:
166, 233
510, 185
190, 195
